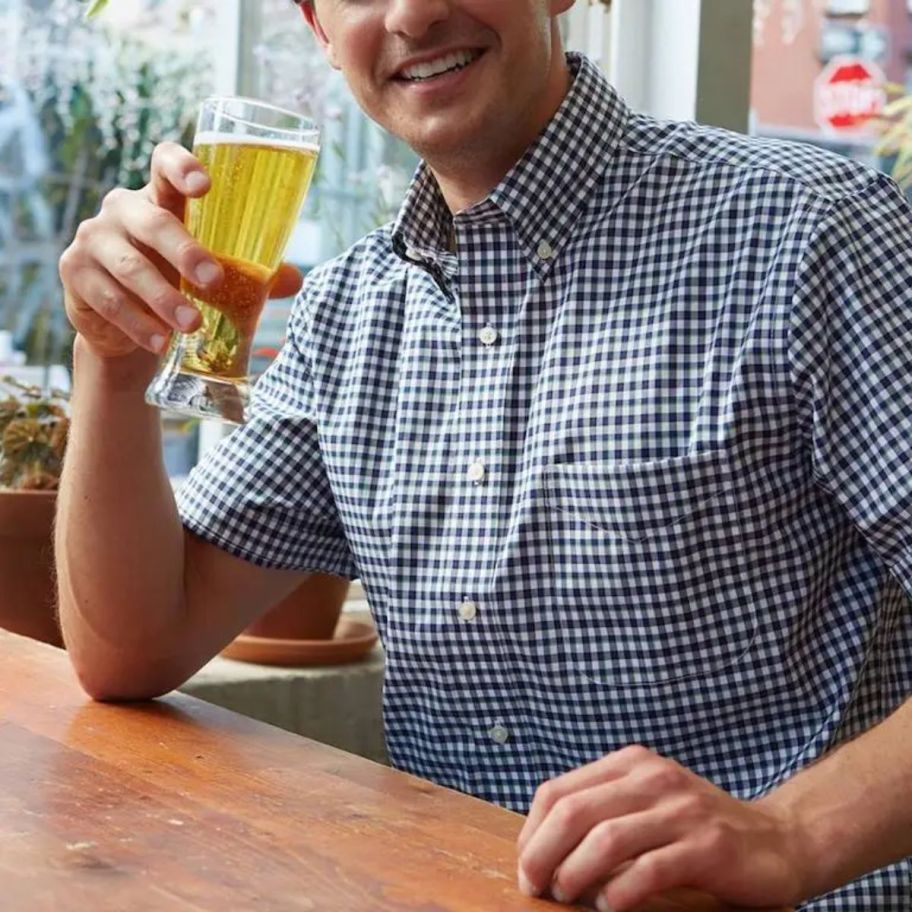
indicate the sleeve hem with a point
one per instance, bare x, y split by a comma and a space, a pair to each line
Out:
331, 564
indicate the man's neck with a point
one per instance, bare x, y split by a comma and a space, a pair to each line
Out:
466, 179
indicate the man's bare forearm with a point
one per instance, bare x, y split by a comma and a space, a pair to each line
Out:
119, 540
853, 809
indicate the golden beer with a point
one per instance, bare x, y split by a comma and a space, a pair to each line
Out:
260, 160
245, 220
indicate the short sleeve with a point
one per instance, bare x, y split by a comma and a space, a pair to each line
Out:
263, 493
851, 352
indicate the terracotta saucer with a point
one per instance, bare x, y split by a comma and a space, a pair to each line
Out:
353, 640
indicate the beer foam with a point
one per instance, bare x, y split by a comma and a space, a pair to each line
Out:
211, 138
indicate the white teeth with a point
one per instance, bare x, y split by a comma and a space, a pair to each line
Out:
457, 59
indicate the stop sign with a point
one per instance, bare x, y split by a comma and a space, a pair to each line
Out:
848, 93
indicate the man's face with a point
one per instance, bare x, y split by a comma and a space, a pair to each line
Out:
501, 80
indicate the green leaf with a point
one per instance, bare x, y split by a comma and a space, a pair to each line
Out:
95, 7
899, 106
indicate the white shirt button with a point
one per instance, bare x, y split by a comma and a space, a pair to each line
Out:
488, 335
468, 611
545, 251
412, 253
499, 735
477, 472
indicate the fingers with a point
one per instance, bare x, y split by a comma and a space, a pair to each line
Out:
652, 873
287, 282
114, 320
175, 175
133, 271
569, 824
613, 766
162, 232
606, 846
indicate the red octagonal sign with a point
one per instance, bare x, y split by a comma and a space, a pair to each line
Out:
848, 93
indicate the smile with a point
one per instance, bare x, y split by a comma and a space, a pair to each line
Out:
449, 63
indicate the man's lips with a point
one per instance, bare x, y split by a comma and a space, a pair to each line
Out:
467, 56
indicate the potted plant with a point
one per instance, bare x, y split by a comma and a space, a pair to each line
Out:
896, 134
33, 435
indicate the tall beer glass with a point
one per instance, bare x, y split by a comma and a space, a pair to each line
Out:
260, 161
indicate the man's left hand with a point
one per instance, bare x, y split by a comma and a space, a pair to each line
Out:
644, 824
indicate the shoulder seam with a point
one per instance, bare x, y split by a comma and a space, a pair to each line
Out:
717, 160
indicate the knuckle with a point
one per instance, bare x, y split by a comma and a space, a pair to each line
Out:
662, 777
651, 871
714, 838
165, 148
139, 329
604, 836
689, 808
635, 753
160, 154
164, 300
114, 197
159, 219
188, 253
168, 155
128, 265
65, 263
547, 793
109, 304
85, 231
568, 811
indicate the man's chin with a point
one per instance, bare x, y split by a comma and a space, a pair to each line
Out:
446, 139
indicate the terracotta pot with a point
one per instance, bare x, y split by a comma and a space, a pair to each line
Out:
27, 591
311, 612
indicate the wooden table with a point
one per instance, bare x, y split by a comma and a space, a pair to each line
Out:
182, 806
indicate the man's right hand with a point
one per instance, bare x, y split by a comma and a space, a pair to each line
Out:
121, 275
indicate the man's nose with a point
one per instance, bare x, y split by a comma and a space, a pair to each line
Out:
413, 18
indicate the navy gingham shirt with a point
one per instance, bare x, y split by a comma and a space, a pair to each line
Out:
621, 454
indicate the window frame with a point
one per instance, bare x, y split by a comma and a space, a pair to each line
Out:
683, 59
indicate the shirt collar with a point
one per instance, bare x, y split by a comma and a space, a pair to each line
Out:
545, 190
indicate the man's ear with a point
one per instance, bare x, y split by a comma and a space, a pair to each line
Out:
310, 14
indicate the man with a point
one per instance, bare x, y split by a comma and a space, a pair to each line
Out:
613, 423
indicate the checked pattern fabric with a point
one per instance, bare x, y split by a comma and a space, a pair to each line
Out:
621, 454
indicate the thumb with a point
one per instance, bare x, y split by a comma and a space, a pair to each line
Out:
287, 282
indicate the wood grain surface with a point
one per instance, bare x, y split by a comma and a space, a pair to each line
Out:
182, 806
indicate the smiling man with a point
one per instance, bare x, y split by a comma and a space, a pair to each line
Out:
614, 422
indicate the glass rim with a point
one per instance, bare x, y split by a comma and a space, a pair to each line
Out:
310, 125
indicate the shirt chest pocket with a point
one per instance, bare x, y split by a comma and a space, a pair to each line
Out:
645, 573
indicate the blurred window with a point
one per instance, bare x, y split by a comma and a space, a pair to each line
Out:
824, 69
81, 107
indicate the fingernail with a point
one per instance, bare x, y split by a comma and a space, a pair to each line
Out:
206, 273
559, 894
185, 316
195, 181
158, 343
525, 885
602, 905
